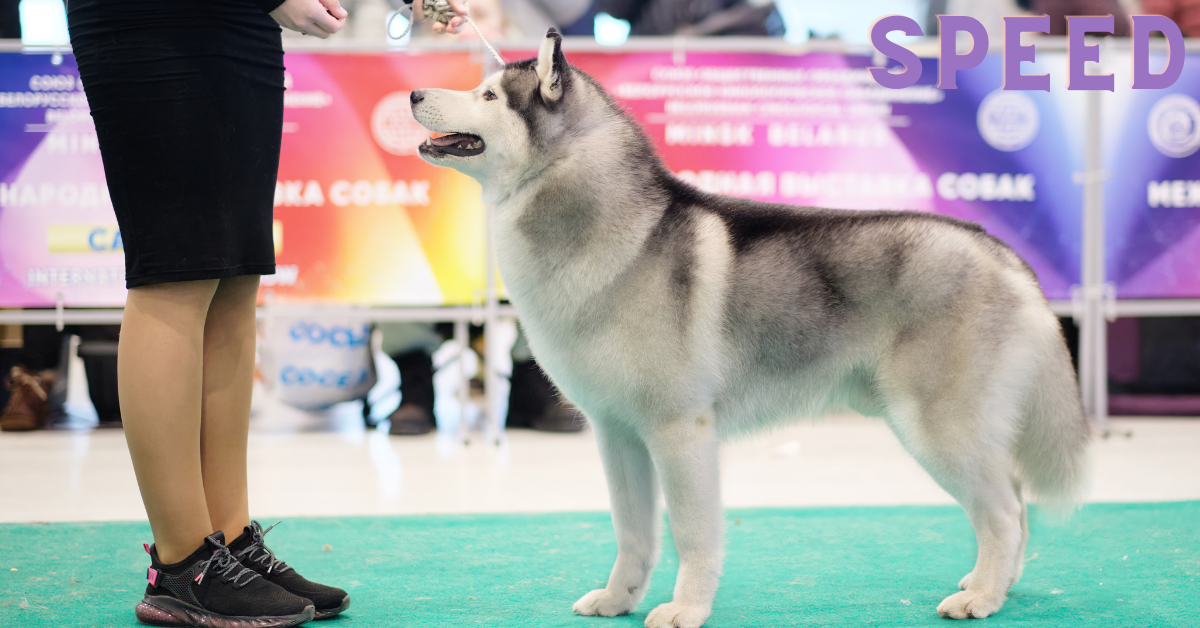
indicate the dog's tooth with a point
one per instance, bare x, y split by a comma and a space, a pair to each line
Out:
478, 144
429, 141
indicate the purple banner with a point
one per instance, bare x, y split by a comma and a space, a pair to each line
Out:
1152, 198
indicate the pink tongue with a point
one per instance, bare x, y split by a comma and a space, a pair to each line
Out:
448, 140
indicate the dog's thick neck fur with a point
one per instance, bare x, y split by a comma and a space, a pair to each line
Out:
611, 212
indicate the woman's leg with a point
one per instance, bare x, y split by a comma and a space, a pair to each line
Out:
228, 379
160, 371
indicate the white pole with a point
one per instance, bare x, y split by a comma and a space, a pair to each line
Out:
1093, 340
490, 360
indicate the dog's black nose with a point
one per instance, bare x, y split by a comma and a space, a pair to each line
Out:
416, 96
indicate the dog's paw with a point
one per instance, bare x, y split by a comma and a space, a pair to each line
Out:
675, 615
965, 583
966, 604
604, 603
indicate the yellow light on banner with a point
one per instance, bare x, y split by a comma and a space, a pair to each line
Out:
86, 238
277, 235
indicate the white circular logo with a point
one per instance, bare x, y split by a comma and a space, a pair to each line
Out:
1007, 120
393, 125
1174, 125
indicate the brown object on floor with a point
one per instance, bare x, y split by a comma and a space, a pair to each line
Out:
28, 407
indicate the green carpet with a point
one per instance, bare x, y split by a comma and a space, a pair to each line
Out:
1110, 565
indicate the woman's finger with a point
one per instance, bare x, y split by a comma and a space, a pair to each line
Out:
327, 22
460, 7
313, 28
335, 8
418, 11
456, 25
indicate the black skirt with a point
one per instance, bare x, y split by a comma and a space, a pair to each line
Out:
187, 98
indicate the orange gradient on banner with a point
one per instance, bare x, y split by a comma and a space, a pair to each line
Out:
363, 219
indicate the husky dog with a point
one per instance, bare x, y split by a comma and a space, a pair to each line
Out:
675, 318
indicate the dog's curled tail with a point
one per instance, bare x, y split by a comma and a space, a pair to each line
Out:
1052, 446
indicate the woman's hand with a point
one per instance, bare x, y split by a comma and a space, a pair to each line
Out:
320, 18
456, 23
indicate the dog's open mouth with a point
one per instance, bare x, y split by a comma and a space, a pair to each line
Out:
460, 144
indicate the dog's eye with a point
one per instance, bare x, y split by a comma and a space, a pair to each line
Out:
489, 95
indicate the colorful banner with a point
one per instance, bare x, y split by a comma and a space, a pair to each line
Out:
1152, 196
361, 220
816, 130
58, 234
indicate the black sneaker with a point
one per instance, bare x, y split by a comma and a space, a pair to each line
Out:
211, 588
250, 549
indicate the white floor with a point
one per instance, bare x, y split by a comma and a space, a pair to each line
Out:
328, 464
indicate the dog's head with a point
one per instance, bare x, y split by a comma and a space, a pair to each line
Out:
512, 122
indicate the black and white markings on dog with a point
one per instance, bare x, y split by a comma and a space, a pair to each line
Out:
674, 318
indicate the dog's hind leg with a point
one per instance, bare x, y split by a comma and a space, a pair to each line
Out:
1020, 562
974, 465
995, 512
633, 491
685, 453
1019, 565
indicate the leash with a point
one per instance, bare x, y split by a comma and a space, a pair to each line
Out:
441, 11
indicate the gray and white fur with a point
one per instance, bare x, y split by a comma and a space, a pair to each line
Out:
675, 319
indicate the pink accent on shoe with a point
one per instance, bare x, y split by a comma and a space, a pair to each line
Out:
199, 576
152, 576
146, 546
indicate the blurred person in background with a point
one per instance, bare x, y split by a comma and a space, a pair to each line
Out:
10, 19
1185, 13
532, 18
989, 13
1058, 10
533, 400
696, 17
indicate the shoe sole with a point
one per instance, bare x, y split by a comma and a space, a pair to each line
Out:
170, 612
331, 613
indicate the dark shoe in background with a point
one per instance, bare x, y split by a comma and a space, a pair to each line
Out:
250, 549
415, 414
98, 350
411, 420
560, 416
536, 404
28, 404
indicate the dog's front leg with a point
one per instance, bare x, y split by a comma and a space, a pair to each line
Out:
633, 491
685, 452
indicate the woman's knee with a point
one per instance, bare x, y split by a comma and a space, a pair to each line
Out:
190, 295
242, 289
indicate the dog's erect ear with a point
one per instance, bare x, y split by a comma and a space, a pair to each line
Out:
551, 66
